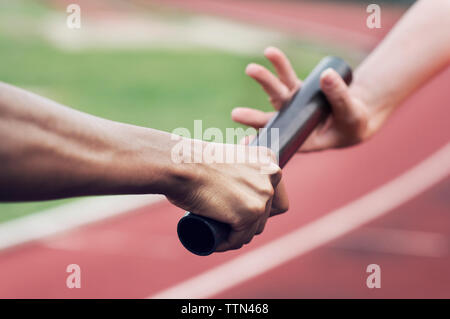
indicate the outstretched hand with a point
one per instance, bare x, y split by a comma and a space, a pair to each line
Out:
349, 123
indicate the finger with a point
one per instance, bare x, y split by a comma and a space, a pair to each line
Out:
251, 234
247, 139
280, 201
251, 117
319, 141
336, 91
263, 220
231, 242
276, 175
277, 91
283, 67
236, 239
316, 141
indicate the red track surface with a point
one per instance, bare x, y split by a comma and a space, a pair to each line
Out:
138, 254
339, 23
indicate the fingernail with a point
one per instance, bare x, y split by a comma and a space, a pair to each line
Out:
328, 77
250, 67
234, 112
268, 49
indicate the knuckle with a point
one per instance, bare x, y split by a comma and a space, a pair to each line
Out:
339, 100
269, 191
358, 118
272, 155
275, 100
253, 208
262, 150
276, 176
245, 220
355, 119
238, 222
258, 211
255, 211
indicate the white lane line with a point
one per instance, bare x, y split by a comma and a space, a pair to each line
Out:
325, 229
65, 217
397, 241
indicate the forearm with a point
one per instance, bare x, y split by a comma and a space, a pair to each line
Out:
50, 151
414, 51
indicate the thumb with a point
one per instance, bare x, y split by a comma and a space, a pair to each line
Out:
337, 93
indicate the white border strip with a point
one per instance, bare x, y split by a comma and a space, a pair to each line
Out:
317, 233
65, 217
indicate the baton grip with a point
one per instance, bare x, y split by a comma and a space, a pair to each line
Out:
293, 124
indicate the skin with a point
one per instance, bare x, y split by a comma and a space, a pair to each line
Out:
51, 151
415, 50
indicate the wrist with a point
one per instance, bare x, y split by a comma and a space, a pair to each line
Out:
141, 162
376, 106
186, 170
362, 91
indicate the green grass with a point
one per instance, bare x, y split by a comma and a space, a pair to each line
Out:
154, 88
160, 89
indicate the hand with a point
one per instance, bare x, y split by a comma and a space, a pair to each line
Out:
239, 194
349, 123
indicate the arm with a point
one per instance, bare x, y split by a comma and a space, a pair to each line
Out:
413, 52
51, 151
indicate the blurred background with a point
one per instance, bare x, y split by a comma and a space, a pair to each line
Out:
164, 64
140, 62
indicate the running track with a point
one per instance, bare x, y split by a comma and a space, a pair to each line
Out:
137, 254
